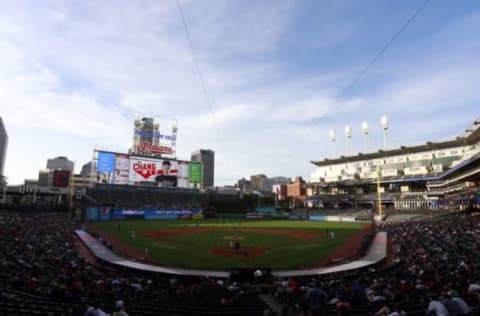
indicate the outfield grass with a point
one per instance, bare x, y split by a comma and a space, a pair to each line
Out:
194, 250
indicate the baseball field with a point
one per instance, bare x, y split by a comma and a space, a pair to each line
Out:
220, 244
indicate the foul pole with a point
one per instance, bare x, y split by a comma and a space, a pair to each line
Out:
379, 194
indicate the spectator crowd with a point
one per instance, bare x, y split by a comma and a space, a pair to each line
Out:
44, 270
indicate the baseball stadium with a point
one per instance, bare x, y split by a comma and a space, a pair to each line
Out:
144, 230
144, 234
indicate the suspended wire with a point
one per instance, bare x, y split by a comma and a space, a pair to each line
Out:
195, 61
201, 78
380, 53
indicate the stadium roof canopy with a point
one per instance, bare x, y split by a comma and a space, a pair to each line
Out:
469, 137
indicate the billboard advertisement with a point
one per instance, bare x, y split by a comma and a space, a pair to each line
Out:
182, 178
104, 214
148, 148
156, 171
91, 214
122, 167
105, 167
61, 178
157, 214
195, 172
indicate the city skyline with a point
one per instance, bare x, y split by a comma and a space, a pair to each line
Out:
73, 75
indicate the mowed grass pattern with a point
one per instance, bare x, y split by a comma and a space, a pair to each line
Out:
194, 250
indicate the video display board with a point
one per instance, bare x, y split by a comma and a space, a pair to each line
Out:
105, 167
61, 178
182, 177
122, 169
195, 172
160, 171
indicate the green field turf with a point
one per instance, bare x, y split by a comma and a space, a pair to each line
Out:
194, 250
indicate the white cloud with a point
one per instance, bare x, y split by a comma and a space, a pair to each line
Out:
73, 74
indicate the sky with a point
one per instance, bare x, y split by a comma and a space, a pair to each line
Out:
74, 73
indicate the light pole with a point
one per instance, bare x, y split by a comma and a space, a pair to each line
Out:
333, 138
365, 131
348, 136
384, 122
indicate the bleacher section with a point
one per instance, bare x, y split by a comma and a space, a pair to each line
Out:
132, 197
42, 273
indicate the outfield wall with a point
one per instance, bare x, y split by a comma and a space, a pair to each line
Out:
330, 218
108, 213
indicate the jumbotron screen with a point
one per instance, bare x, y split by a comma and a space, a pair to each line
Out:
115, 168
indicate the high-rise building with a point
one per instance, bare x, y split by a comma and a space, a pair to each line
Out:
60, 163
86, 170
45, 178
266, 184
257, 180
3, 146
207, 158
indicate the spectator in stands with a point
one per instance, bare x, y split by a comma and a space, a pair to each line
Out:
317, 300
119, 309
95, 310
436, 308
343, 307
453, 307
463, 305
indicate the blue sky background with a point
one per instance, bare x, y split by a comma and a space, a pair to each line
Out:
73, 73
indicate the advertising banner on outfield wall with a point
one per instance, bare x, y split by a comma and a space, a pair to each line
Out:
91, 214
158, 214
104, 213
317, 218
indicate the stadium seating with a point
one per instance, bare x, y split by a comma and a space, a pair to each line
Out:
146, 198
431, 257
42, 272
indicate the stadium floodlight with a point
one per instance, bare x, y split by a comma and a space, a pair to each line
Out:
365, 131
174, 126
348, 136
333, 138
331, 135
384, 122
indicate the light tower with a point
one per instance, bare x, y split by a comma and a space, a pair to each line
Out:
384, 122
365, 136
348, 136
333, 138
174, 139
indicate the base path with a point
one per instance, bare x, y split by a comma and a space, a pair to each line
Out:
349, 248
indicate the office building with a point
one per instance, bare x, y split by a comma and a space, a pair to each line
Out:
207, 158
